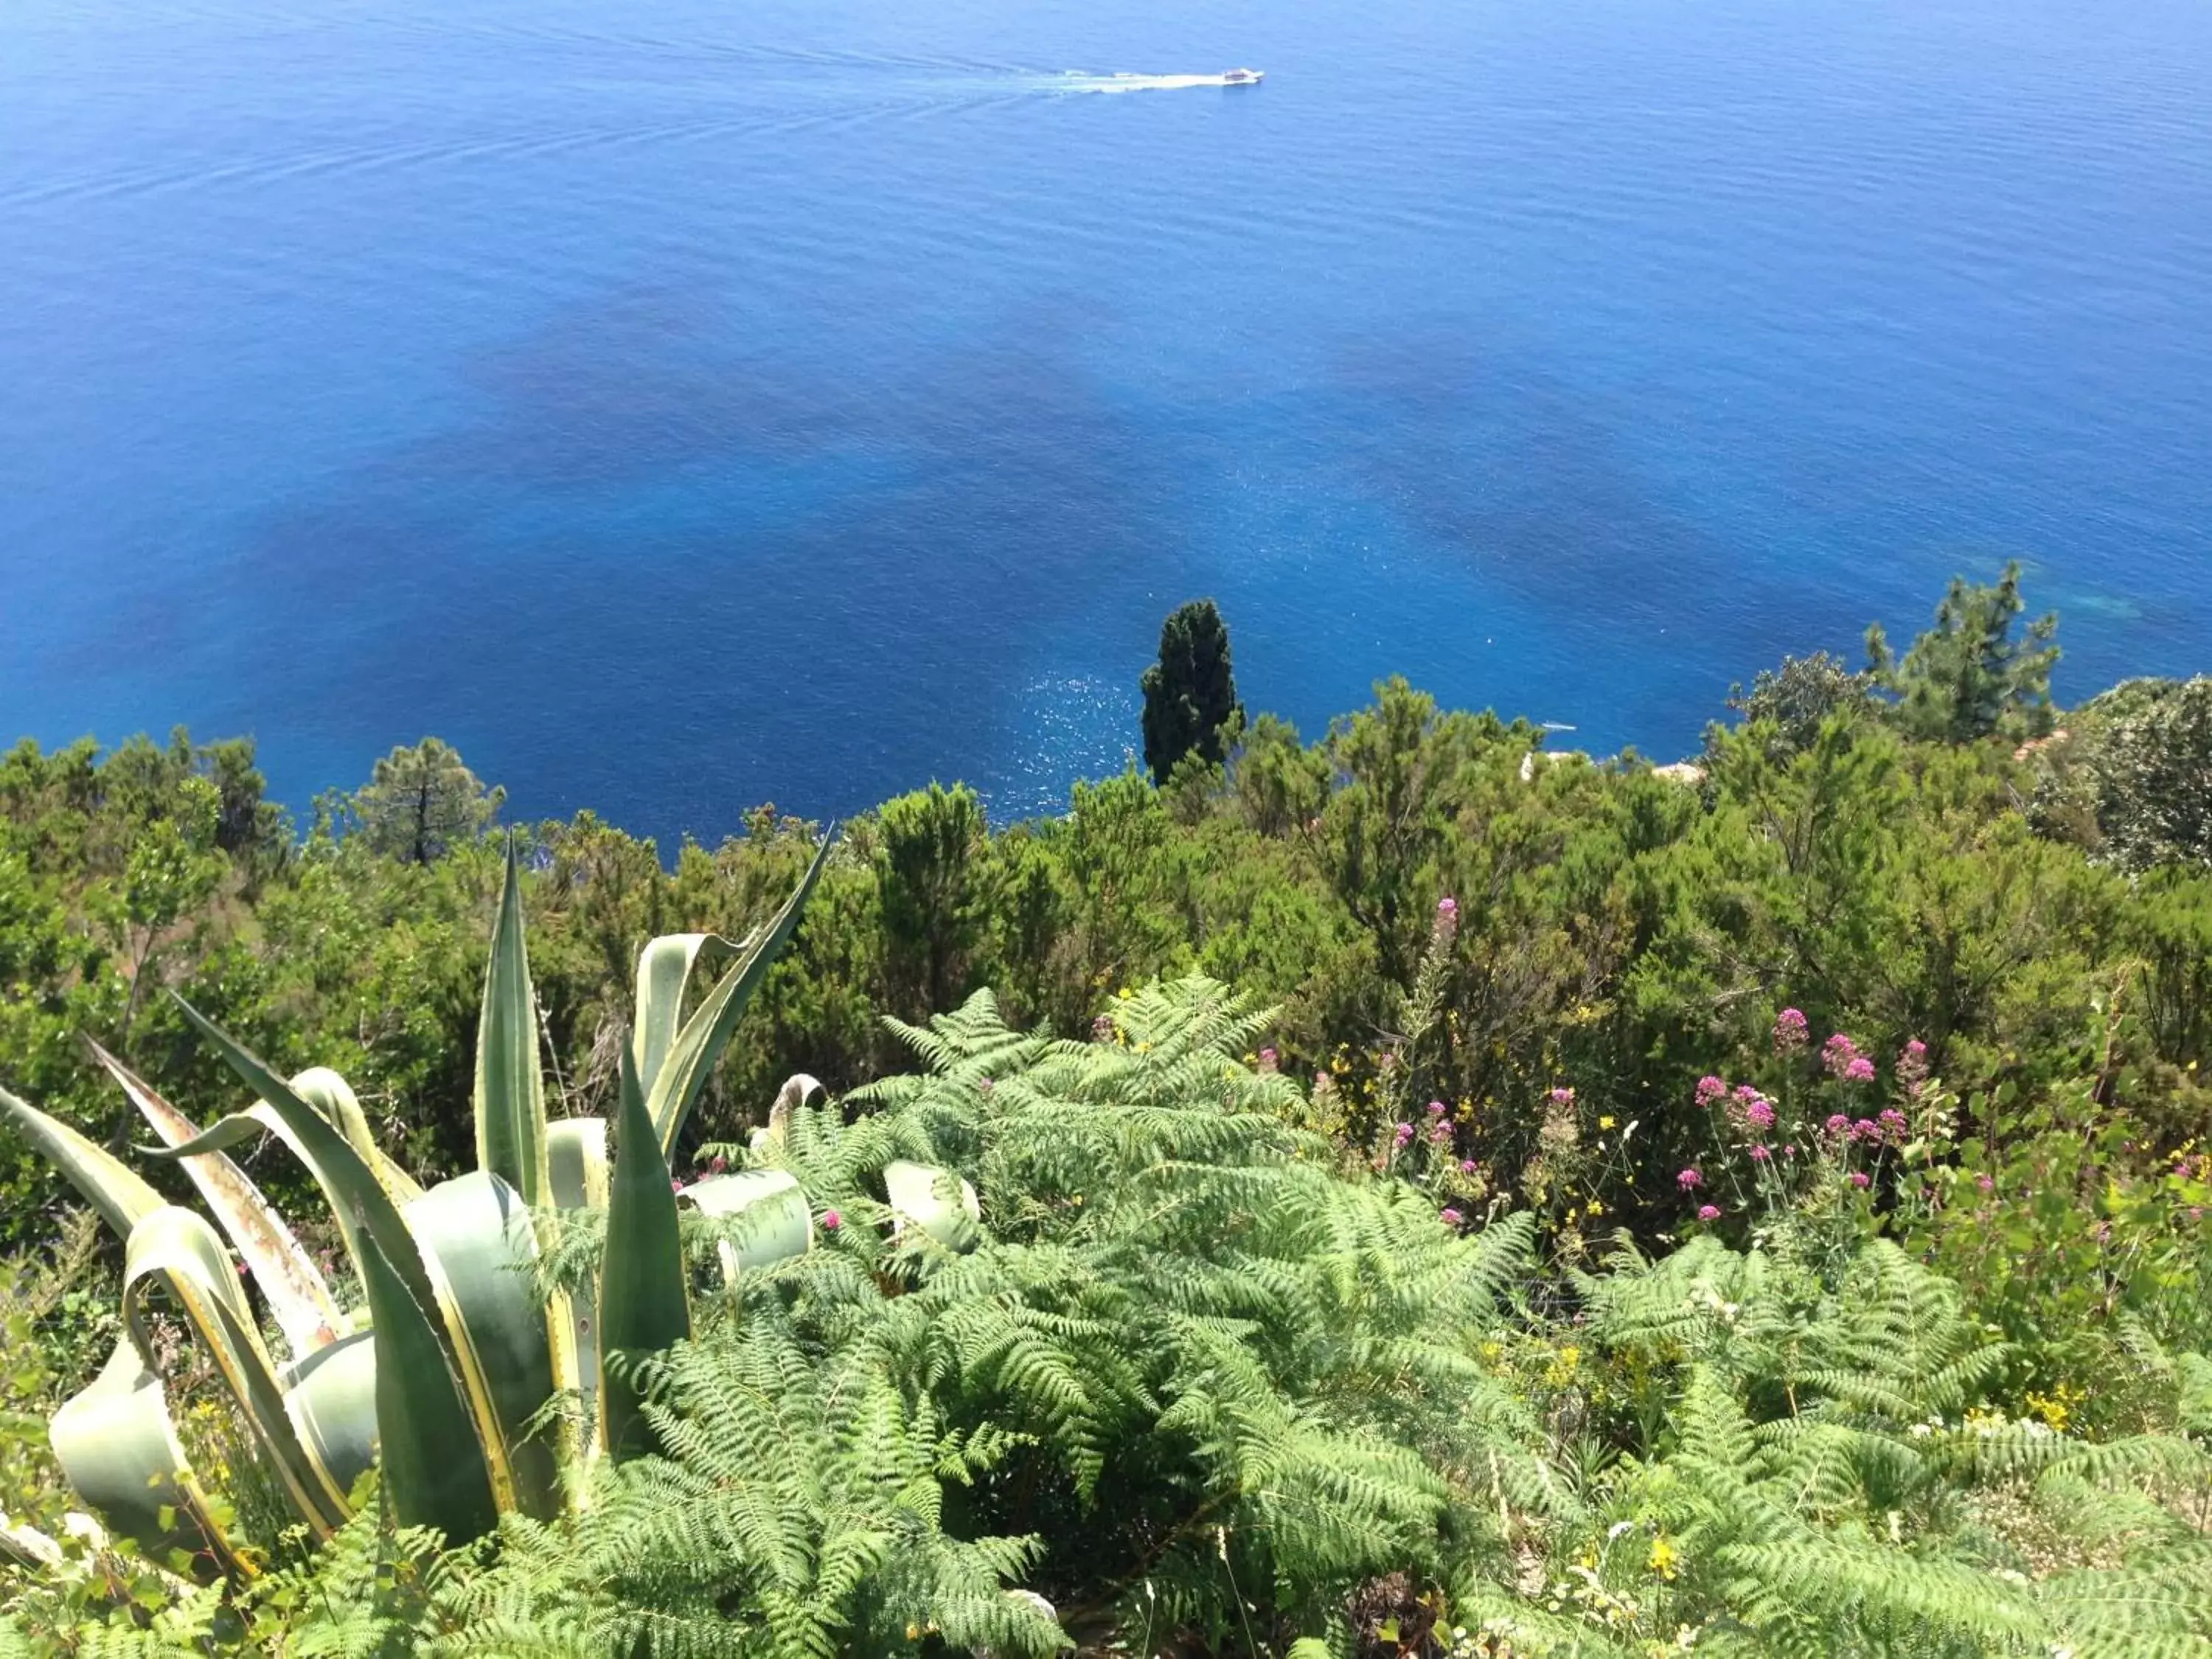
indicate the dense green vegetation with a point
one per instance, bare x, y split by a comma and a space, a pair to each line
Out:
1757, 1205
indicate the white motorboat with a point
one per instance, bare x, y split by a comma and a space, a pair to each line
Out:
1242, 77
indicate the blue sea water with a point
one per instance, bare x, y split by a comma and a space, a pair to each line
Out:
680, 405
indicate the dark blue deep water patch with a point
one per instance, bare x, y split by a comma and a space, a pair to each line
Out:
684, 405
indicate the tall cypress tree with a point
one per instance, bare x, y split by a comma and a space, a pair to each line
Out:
1190, 693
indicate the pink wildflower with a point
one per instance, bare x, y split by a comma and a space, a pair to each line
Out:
1268, 1059
1860, 1070
1760, 1154
1865, 1130
1466, 1166
1893, 1127
717, 1163
1709, 1212
1435, 1109
1759, 1115
1404, 1133
1688, 1179
1912, 1066
1859, 1179
1837, 1124
1790, 1031
1709, 1089
1563, 1097
831, 1221
1837, 1053
1447, 928
1986, 1183
1452, 1217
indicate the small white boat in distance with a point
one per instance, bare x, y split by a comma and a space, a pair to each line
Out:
1242, 77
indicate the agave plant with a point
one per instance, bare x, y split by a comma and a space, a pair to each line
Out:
446, 1385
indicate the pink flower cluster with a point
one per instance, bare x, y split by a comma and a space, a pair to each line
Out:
1447, 928
1710, 1088
1912, 1066
1791, 1031
1842, 1058
1689, 1179
1888, 1130
1709, 1212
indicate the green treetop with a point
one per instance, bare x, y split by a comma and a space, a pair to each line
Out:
1190, 693
422, 800
1967, 677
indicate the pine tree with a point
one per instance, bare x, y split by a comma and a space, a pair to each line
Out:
1190, 693
1966, 678
422, 800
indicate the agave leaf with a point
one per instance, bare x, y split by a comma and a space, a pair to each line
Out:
118, 1447
478, 1245
778, 1222
576, 1152
644, 1304
333, 1097
360, 1202
332, 1397
576, 1148
695, 1048
510, 1092
110, 1186
664, 972
433, 1463
304, 1309
176, 1248
937, 1201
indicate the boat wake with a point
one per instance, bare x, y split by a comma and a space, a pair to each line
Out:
1083, 81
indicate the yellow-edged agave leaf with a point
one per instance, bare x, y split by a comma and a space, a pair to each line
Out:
576, 1149
576, 1152
178, 1250
477, 1243
301, 1302
799, 1089
698, 1044
663, 974
332, 1397
644, 1304
118, 1447
433, 1465
938, 1202
360, 1202
110, 1186
333, 1097
777, 1222
510, 1091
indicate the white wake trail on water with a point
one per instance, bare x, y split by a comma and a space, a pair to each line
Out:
1084, 81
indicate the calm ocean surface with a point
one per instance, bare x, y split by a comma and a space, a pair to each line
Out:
681, 405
